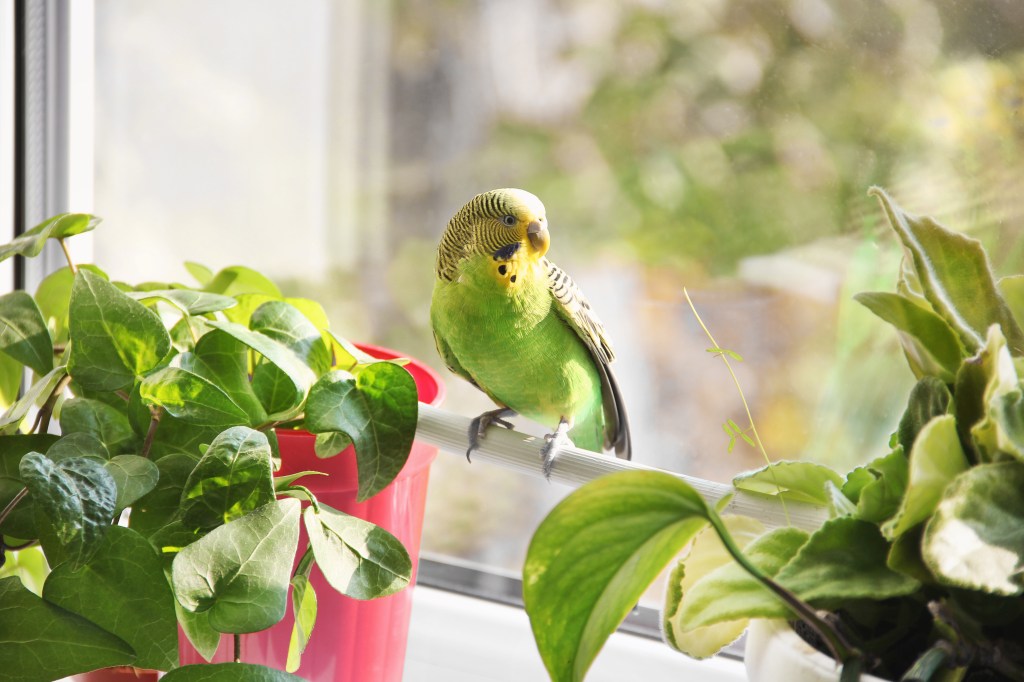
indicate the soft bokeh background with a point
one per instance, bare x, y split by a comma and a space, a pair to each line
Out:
724, 146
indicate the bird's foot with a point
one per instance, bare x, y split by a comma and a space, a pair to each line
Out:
478, 427
553, 443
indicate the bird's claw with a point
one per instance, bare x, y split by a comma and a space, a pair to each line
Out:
553, 443
478, 427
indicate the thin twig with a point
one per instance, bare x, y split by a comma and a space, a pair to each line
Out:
238, 648
67, 254
157, 413
42, 422
12, 504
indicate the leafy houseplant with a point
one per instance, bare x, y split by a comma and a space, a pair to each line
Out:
919, 569
166, 400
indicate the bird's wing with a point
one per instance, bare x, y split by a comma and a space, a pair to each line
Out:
573, 307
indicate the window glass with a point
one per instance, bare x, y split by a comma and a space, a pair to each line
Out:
724, 146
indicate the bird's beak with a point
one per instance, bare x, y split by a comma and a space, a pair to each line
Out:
537, 233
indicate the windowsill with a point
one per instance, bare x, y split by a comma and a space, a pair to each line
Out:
463, 639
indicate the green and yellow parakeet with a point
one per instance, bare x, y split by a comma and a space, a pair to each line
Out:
516, 326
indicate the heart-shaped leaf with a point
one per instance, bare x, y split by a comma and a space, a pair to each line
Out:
40, 641
123, 590
188, 301
21, 521
108, 424
238, 574
304, 611
54, 298
232, 478
30, 243
223, 360
159, 507
135, 476
284, 323
23, 332
238, 279
114, 339
359, 559
377, 408
191, 398
78, 445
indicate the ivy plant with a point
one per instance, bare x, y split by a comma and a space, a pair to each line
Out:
165, 399
918, 573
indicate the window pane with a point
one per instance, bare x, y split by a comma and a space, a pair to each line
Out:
724, 146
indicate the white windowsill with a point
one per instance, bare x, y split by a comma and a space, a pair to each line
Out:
463, 639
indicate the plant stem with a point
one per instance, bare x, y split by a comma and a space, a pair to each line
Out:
238, 648
42, 422
928, 663
743, 399
12, 504
154, 422
67, 254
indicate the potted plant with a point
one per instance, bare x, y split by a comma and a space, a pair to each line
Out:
206, 417
918, 571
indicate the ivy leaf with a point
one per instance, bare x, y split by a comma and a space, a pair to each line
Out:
61, 643
330, 443
135, 477
188, 301
78, 445
21, 521
378, 409
114, 339
238, 573
975, 539
108, 424
595, 554
223, 360
191, 398
358, 559
304, 610
229, 672
200, 272
54, 298
285, 324
30, 243
74, 502
23, 332
159, 507
238, 279
955, 277
11, 420
232, 478
798, 481
123, 590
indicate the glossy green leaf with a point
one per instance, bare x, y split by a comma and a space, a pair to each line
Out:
934, 461
239, 572
330, 443
378, 409
188, 301
41, 642
595, 554
30, 243
223, 360
232, 478
229, 672
158, 507
346, 354
238, 279
196, 626
287, 325
23, 332
705, 554
111, 426
200, 272
975, 539
37, 393
304, 611
114, 339
54, 297
135, 477
191, 398
78, 445
931, 345
955, 277
929, 398
283, 482
359, 559
74, 501
123, 590
799, 481
21, 521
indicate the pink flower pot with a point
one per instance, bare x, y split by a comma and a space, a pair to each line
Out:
352, 641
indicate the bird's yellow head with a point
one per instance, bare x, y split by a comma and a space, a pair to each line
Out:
499, 223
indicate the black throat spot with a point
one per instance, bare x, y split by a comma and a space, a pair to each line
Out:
506, 252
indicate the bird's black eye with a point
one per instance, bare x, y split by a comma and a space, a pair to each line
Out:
509, 220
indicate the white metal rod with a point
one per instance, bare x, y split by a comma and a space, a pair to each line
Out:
574, 467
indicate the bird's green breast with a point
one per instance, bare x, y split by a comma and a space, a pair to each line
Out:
501, 326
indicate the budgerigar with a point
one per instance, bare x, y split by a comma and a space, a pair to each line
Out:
516, 326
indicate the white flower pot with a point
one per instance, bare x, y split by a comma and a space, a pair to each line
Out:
775, 653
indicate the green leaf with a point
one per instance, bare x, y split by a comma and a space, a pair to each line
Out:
196, 627
706, 554
108, 424
975, 539
40, 641
238, 279
282, 483
229, 672
123, 590
330, 443
286, 325
934, 461
11, 374
1001, 429
377, 409
78, 445
929, 398
54, 297
21, 521
798, 481
135, 477
30, 243
247, 305
114, 339
346, 354
158, 507
23, 332
304, 610
191, 398
877, 488
358, 559
232, 478
595, 554
200, 272
223, 360
11, 420
74, 502
188, 301
239, 572
931, 345
955, 277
